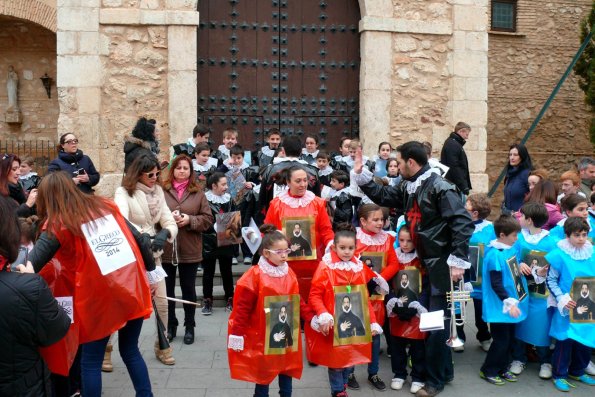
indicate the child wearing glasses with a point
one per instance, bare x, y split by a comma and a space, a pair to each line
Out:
264, 339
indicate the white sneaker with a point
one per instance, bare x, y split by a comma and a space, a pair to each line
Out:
459, 349
397, 383
234, 261
416, 386
516, 367
545, 371
485, 345
590, 370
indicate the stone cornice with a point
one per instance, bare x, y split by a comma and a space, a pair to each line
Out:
399, 25
126, 16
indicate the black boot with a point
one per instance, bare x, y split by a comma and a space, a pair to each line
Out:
172, 330
189, 336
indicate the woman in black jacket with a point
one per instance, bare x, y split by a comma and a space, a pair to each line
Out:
72, 160
31, 318
143, 141
516, 183
9, 186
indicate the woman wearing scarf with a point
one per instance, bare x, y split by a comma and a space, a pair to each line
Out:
78, 165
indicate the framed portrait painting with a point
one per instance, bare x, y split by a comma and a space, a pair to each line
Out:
301, 233
352, 316
535, 260
282, 323
581, 292
374, 260
515, 272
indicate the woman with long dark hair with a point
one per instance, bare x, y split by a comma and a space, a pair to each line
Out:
192, 214
100, 260
516, 184
31, 317
10, 166
77, 164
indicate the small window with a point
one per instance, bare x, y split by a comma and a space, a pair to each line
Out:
504, 15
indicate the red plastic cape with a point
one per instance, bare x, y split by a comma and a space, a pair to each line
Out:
304, 269
320, 348
260, 362
102, 304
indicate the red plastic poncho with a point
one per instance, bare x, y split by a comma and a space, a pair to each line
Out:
285, 206
324, 350
257, 303
102, 303
380, 246
404, 329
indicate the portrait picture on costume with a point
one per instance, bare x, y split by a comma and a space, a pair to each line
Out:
374, 260
535, 260
513, 267
352, 316
476, 253
282, 323
236, 182
407, 285
229, 228
583, 293
301, 232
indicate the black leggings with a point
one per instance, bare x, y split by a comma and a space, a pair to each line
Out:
188, 286
208, 264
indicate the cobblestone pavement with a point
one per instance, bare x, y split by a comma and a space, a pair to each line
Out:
201, 369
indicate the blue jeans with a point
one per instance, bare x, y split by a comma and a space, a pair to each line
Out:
373, 365
519, 352
570, 357
337, 377
92, 358
284, 387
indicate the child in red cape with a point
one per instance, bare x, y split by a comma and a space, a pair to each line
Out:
339, 335
264, 338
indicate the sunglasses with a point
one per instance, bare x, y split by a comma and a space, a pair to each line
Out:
71, 141
280, 252
152, 175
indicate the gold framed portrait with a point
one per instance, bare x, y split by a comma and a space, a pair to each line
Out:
407, 284
301, 233
374, 260
516, 275
535, 259
580, 292
282, 324
476, 253
352, 316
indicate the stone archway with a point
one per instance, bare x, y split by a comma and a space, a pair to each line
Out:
36, 11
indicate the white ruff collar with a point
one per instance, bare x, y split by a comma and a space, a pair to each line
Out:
306, 153
534, 238
278, 160
412, 186
211, 162
296, 202
349, 161
341, 265
223, 150
267, 151
327, 171
480, 226
575, 253
498, 245
231, 167
377, 239
272, 271
213, 198
337, 193
405, 257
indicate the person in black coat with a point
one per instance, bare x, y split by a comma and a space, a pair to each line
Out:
453, 156
142, 141
516, 182
76, 164
31, 318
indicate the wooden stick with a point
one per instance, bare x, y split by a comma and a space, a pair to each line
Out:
178, 300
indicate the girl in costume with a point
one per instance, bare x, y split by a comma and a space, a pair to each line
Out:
298, 206
572, 260
264, 339
339, 335
381, 159
573, 205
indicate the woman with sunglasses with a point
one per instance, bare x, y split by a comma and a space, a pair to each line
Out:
76, 164
10, 166
142, 202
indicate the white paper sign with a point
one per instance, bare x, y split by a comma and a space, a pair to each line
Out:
66, 303
108, 244
431, 321
251, 236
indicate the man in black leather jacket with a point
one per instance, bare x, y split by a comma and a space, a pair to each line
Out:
440, 229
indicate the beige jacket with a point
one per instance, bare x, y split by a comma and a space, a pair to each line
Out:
136, 210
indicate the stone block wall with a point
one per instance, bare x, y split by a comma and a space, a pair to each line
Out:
524, 68
31, 49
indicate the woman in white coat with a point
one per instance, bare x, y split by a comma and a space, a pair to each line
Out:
141, 201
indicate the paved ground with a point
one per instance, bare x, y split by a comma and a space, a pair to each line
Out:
201, 370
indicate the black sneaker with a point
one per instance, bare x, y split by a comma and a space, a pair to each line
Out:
229, 305
376, 382
207, 308
352, 383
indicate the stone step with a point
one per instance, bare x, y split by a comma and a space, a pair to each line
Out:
237, 272
218, 296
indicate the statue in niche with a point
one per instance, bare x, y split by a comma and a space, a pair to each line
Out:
12, 83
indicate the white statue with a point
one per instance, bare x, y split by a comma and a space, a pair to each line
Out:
12, 87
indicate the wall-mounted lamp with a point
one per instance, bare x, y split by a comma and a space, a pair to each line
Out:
47, 83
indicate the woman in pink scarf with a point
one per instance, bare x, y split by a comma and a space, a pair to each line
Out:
545, 193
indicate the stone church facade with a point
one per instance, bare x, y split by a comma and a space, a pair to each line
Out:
425, 65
